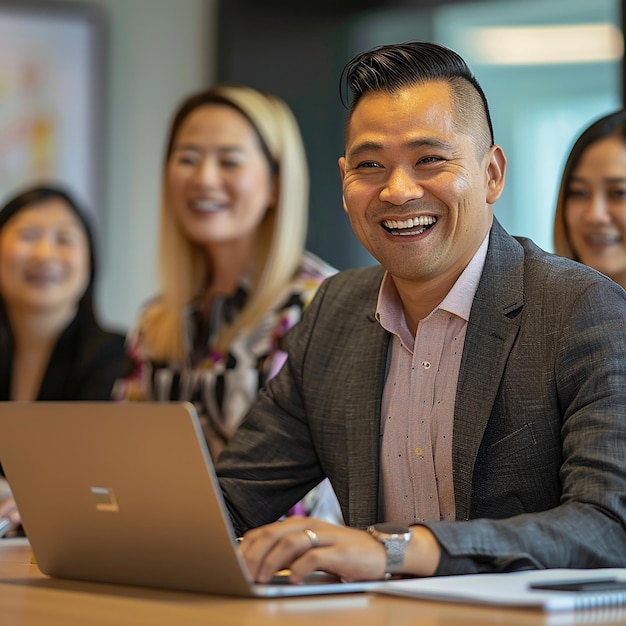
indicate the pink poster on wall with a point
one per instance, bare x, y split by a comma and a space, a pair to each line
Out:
50, 100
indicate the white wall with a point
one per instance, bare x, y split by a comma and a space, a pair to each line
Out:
158, 51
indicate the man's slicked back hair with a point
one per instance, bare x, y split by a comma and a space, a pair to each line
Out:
390, 68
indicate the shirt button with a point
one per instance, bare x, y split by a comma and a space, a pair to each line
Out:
426, 365
419, 452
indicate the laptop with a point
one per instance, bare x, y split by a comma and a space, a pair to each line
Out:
126, 493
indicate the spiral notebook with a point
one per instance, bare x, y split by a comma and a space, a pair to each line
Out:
517, 589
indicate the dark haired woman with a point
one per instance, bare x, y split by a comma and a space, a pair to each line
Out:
590, 221
52, 347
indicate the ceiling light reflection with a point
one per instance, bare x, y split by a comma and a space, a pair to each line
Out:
539, 45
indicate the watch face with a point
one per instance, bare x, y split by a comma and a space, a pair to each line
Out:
392, 528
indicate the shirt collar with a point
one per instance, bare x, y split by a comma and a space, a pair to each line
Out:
458, 300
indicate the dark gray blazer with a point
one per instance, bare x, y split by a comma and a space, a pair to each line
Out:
539, 450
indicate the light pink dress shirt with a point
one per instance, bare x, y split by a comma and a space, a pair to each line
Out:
418, 400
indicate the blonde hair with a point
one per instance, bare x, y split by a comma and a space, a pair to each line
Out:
183, 266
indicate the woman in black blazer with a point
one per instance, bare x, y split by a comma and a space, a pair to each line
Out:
52, 346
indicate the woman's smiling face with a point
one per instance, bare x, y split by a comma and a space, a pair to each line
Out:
218, 178
44, 258
595, 208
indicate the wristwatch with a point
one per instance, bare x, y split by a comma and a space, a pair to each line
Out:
395, 538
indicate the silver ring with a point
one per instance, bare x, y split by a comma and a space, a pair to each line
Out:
313, 538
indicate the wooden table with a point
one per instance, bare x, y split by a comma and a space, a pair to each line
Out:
28, 598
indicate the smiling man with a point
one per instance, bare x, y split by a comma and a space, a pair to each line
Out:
465, 396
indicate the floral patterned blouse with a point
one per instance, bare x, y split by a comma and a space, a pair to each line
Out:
222, 387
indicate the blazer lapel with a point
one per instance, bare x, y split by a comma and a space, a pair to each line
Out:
363, 401
491, 332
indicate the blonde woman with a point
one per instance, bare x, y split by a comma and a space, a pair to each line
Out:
234, 272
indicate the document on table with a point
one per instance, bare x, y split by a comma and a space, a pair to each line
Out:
514, 589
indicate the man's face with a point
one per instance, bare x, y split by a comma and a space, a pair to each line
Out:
416, 191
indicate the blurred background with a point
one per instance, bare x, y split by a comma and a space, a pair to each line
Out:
87, 89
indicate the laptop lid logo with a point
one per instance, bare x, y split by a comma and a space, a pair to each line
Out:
105, 499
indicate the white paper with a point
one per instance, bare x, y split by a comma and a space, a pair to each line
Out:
512, 590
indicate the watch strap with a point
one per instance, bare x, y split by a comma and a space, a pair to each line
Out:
395, 538
396, 549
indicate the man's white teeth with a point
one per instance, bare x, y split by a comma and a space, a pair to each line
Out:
410, 223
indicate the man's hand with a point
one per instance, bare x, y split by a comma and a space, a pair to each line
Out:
305, 545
